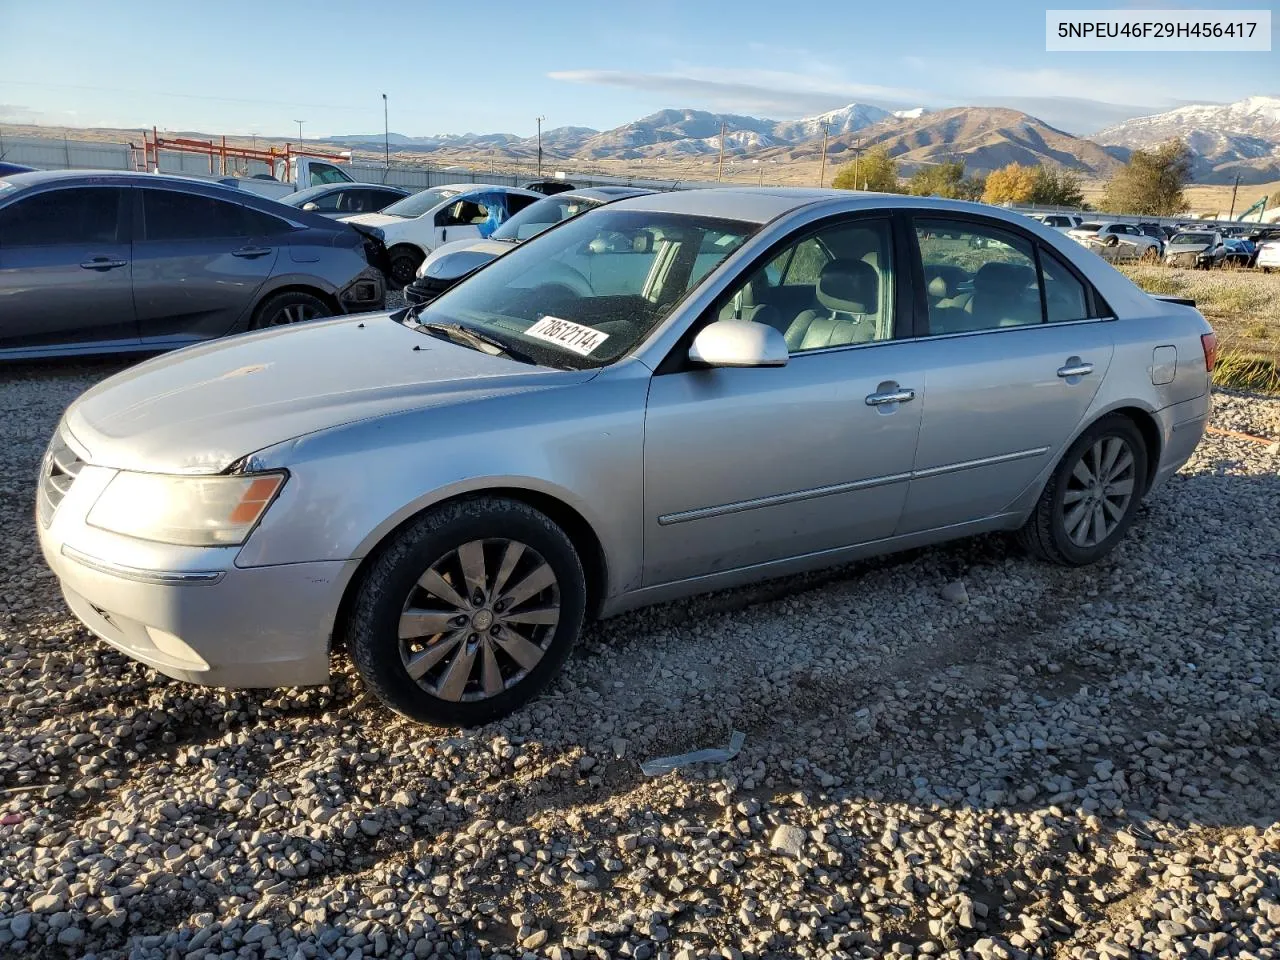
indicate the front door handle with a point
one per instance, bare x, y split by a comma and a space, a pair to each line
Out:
1075, 367
249, 253
103, 263
900, 395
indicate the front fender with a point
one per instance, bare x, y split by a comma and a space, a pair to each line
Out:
351, 486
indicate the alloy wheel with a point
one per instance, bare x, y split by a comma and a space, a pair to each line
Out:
479, 619
1099, 491
294, 313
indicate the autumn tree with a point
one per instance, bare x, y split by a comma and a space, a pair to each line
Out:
874, 170
1151, 183
1012, 183
1056, 187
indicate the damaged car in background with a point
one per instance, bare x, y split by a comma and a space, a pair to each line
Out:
1195, 248
415, 226
459, 258
135, 262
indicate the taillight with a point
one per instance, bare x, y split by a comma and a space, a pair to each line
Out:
1209, 343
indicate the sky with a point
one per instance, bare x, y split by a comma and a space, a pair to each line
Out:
495, 66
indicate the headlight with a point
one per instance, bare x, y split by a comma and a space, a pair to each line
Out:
191, 511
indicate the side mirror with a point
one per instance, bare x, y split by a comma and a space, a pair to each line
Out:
310, 205
739, 343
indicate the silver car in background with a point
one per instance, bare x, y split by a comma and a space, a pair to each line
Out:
672, 394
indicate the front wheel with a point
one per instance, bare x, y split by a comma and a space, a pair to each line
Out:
404, 265
468, 613
1092, 496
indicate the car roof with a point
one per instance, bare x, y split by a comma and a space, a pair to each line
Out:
762, 204
606, 194
467, 188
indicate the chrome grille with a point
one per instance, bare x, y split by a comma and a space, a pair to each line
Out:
58, 471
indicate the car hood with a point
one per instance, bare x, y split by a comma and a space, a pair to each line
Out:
374, 219
1185, 248
201, 409
458, 259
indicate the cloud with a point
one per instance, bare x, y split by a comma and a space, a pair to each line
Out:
759, 92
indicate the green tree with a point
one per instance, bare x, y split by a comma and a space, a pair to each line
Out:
875, 170
1151, 183
1012, 183
941, 180
1056, 187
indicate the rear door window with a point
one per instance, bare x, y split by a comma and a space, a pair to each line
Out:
171, 215
74, 215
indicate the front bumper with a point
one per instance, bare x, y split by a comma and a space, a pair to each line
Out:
191, 613
426, 289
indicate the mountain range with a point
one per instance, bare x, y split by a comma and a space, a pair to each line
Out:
1241, 138
1227, 140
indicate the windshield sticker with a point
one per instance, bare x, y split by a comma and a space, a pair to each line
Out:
565, 333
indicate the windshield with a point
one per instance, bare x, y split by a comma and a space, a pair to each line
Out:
587, 292
419, 203
1193, 238
1091, 227
536, 217
305, 196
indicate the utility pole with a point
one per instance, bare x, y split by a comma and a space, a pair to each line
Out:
386, 133
299, 123
540, 119
761, 162
720, 166
1234, 187
822, 173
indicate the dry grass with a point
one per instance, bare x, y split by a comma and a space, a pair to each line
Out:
1246, 371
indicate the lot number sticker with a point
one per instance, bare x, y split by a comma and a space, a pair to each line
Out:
572, 336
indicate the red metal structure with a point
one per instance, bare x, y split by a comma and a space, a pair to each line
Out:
152, 145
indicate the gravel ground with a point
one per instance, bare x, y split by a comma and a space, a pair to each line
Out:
1041, 762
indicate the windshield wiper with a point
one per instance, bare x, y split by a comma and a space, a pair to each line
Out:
475, 339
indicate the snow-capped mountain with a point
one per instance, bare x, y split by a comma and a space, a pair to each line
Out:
1241, 137
846, 119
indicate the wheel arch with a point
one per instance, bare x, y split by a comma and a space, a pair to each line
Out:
1143, 418
297, 286
579, 530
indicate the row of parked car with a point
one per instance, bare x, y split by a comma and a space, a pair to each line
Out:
96, 262
1183, 245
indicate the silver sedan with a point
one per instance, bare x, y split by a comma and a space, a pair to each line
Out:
673, 394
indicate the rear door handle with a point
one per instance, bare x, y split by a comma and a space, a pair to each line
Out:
250, 252
1075, 367
901, 395
103, 263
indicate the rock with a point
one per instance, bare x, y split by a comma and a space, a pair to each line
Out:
788, 840
70, 936
20, 926
955, 592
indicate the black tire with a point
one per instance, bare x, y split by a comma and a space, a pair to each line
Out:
372, 629
404, 265
288, 307
1045, 536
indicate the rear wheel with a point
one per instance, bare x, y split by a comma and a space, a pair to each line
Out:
1092, 497
404, 264
291, 306
468, 613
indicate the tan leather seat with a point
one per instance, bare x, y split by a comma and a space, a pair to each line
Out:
848, 294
